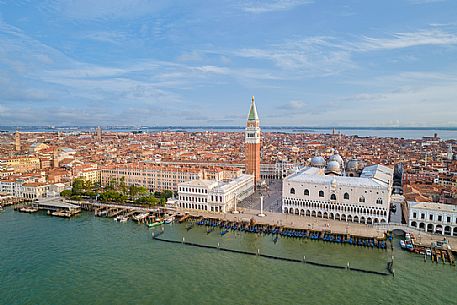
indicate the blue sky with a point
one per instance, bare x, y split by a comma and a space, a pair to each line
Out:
184, 62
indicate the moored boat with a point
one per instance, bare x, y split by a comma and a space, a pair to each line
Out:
154, 224
168, 220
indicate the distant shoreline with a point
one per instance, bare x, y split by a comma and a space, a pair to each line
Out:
113, 127
445, 133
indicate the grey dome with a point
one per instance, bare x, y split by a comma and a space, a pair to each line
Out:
353, 165
336, 157
318, 161
333, 167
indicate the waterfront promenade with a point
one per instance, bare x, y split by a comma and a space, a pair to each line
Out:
301, 222
321, 224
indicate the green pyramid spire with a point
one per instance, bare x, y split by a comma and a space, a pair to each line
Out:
253, 111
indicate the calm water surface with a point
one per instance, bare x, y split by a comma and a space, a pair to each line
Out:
89, 260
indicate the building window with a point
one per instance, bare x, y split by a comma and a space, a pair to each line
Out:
333, 197
379, 201
431, 217
306, 192
422, 216
449, 219
362, 199
414, 215
440, 218
321, 193
346, 196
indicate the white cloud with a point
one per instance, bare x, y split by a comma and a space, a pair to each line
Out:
103, 9
212, 69
104, 36
405, 40
295, 105
313, 56
264, 6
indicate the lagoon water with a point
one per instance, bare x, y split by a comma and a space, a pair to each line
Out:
89, 260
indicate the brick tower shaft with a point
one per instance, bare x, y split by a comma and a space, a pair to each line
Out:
252, 143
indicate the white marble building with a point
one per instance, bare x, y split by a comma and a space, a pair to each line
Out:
324, 191
433, 217
213, 195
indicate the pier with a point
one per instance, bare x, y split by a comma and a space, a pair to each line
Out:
54, 207
10, 200
57, 207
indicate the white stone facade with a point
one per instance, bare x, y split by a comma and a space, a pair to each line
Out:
153, 177
365, 199
214, 196
433, 217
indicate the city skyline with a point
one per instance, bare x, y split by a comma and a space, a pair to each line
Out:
309, 63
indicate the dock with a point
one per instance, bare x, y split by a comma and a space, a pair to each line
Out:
11, 200
57, 207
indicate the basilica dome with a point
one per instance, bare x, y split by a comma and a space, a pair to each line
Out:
318, 161
353, 165
336, 157
333, 167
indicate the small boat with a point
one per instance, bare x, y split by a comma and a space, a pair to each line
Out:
140, 216
402, 244
154, 224
28, 210
123, 219
428, 252
169, 220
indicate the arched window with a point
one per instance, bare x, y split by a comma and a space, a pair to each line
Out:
306, 192
362, 199
321, 193
379, 201
292, 191
346, 196
333, 197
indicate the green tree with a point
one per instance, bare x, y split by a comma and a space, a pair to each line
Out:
147, 200
167, 194
78, 186
88, 185
122, 185
112, 185
136, 191
90, 194
66, 193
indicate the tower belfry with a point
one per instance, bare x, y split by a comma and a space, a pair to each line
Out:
252, 143
17, 141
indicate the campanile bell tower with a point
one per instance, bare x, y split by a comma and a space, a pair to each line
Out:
252, 143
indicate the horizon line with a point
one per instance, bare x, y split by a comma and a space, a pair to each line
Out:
231, 126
